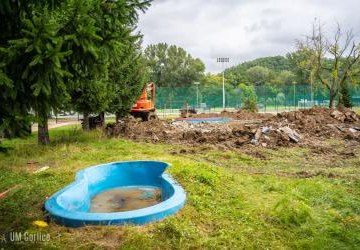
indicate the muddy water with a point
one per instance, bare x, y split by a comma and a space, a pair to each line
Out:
120, 200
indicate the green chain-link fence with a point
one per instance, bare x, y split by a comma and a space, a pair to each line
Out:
269, 98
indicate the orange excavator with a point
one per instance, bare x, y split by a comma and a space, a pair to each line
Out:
144, 107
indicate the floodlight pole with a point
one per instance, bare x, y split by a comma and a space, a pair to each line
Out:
197, 93
294, 95
223, 86
223, 60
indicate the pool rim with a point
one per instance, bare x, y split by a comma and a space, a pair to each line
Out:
205, 119
139, 216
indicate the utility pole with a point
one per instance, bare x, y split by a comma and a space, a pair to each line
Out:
294, 95
197, 93
223, 60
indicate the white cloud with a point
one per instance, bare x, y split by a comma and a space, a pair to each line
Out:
240, 29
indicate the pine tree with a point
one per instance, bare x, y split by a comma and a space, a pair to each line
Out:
55, 51
345, 96
128, 76
102, 65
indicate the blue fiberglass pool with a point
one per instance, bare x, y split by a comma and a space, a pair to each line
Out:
71, 206
211, 119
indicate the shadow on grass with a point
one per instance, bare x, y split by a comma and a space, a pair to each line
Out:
73, 135
5, 150
65, 136
68, 136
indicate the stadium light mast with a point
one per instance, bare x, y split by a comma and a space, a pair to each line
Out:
197, 93
294, 95
223, 60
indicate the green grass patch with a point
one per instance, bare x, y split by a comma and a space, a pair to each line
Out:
357, 110
234, 200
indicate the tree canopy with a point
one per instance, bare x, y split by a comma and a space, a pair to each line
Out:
172, 66
56, 52
333, 62
261, 70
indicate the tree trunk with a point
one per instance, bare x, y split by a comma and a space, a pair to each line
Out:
340, 102
43, 132
117, 117
85, 123
102, 117
332, 100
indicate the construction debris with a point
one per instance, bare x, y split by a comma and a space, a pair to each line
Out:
303, 127
41, 169
338, 115
295, 137
3, 194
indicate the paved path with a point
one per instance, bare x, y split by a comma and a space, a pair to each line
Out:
52, 124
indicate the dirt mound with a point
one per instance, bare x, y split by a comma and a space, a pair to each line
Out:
303, 127
320, 115
319, 122
133, 129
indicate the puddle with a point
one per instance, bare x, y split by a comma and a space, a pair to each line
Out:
208, 120
125, 199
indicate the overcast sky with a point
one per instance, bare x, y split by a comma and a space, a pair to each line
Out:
241, 29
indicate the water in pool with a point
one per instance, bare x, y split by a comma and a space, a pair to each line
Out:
121, 199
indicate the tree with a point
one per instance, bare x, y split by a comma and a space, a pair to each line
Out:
280, 98
212, 79
172, 66
334, 62
284, 77
346, 97
14, 119
301, 64
103, 62
274, 64
248, 97
35, 63
258, 75
129, 75
55, 51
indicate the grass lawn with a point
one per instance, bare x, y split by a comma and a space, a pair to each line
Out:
357, 109
234, 200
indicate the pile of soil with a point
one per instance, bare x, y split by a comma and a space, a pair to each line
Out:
131, 128
319, 122
303, 127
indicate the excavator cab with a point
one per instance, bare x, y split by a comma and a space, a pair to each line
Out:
144, 107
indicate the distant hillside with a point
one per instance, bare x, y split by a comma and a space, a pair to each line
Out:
274, 64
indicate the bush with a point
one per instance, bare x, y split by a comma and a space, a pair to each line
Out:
248, 97
345, 95
270, 101
280, 98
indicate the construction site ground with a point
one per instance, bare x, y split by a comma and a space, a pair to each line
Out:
247, 131
289, 180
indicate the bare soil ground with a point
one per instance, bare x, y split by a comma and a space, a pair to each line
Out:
304, 128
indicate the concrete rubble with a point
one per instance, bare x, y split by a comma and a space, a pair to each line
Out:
301, 127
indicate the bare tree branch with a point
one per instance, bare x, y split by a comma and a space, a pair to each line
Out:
332, 61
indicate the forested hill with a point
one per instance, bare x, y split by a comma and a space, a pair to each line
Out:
275, 63
261, 70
